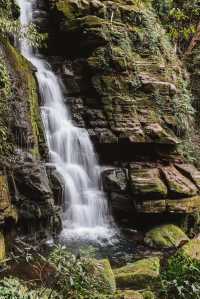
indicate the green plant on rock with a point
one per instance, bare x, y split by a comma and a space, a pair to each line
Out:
5, 94
181, 20
77, 277
13, 288
5, 84
181, 279
13, 27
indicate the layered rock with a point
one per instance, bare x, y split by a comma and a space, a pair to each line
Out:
126, 85
26, 195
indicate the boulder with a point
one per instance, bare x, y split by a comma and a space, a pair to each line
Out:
179, 185
191, 249
191, 172
107, 276
128, 294
115, 180
148, 295
165, 236
2, 247
147, 183
139, 274
121, 202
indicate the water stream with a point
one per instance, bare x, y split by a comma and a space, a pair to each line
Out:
86, 215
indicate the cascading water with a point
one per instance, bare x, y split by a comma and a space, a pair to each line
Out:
86, 215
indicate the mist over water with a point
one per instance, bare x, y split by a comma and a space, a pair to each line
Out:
86, 215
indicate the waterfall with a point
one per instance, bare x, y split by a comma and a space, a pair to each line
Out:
71, 152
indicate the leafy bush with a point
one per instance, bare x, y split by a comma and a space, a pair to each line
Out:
61, 275
12, 288
180, 18
181, 279
77, 277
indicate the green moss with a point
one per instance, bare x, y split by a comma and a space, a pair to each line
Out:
107, 276
191, 249
5, 96
165, 236
23, 68
147, 182
148, 295
140, 274
65, 8
128, 294
2, 247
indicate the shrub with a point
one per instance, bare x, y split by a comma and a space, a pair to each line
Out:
181, 279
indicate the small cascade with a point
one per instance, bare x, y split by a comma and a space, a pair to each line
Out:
86, 214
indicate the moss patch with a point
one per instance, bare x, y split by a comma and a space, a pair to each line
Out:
23, 69
128, 294
191, 249
139, 274
107, 276
165, 236
2, 247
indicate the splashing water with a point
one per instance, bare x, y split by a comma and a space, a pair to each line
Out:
71, 152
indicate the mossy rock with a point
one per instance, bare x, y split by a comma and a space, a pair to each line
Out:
191, 249
147, 182
24, 71
139, 274
2, 247
128, 294
148, 295
107, 276
165, 236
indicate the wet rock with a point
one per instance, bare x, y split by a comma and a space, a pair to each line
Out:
121, 203
166, 236
31, 180
115, 180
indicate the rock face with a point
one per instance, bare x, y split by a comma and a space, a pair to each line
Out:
125, 84
25, 194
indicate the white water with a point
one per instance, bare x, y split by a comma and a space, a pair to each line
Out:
86, 215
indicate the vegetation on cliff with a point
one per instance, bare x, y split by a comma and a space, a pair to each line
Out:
127, 83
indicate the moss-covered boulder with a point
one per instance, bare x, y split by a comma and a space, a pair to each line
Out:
138, 275
191, 249
148, 295
2, 247
146, 183
128, 294
107, 276
165, 236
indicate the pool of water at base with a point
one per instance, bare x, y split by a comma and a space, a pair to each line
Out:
120, 250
